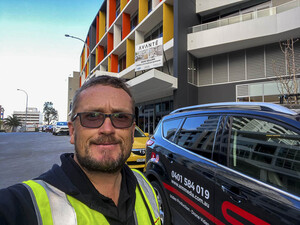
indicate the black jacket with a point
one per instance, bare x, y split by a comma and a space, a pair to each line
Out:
17, 208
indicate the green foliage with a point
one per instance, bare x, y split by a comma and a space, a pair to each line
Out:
12, 122
50, 113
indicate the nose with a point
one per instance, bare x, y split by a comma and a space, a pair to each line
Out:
107, 127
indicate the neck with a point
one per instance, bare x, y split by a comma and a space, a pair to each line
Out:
107, 184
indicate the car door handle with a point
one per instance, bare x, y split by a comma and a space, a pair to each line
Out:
234, 197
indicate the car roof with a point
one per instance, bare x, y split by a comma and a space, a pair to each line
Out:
280, 113
270, 107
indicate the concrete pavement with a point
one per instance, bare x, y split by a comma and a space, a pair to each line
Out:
25, 156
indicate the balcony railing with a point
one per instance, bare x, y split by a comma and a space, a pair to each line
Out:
245, 17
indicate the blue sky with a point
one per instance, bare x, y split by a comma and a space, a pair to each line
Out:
34, 53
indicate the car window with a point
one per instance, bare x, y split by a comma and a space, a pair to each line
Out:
266, 151
170, 127
197, 134
138, 133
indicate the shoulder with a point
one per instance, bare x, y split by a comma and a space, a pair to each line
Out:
14, 192
16, 206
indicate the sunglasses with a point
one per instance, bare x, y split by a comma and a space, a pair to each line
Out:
96, 119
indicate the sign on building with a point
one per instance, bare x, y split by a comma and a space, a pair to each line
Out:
149, 55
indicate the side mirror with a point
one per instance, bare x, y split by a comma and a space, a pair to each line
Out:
147, 134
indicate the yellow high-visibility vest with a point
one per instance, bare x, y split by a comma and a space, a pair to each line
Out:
53, 207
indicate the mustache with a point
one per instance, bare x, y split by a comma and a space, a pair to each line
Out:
105, 139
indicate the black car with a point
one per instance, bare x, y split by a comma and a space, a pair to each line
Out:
227, 163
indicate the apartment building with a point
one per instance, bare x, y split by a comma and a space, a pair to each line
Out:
210, 51
32, 119
73, 85
235, 51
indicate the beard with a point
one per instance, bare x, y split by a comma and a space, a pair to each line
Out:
107, 164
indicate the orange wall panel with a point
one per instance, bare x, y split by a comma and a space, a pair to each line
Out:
125, 25
112, 12
100, 53
110, 42
114, 63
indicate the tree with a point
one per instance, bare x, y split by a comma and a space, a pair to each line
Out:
1, 124
286, 76
12, 122
50, 113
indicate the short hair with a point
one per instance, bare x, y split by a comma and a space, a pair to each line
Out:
104, 80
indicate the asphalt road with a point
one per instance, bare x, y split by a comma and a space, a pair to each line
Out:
25, 156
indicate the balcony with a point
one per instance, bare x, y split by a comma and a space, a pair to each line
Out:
152, 85
244, 31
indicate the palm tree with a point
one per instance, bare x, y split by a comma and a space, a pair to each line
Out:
12, 122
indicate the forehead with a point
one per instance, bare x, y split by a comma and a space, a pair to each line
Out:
104, 98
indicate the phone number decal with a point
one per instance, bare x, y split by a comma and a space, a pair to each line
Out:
194, 190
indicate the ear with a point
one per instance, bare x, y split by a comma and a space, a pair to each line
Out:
71, 132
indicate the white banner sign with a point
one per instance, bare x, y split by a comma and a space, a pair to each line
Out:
149, 55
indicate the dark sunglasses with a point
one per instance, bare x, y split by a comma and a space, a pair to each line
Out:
96, 119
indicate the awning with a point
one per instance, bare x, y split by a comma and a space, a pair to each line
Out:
152, 85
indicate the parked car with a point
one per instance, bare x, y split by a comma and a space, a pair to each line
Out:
227, 163
60, 128
137, 157
49, 128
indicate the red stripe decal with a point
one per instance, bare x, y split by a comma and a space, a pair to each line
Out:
194, 205
248, 216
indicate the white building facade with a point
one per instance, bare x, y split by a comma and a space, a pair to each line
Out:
33, 119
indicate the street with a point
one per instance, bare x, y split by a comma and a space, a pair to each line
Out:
25, 156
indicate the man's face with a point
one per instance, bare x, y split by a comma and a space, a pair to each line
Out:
103, 149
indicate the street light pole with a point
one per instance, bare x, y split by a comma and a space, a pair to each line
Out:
26, 108
70, 36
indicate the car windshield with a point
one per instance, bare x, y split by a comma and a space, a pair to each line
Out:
138, 133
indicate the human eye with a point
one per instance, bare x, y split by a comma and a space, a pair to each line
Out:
92, 115
121, 116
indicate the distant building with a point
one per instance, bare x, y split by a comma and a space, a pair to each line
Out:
1, 116
73, 85
34, 118
1, 112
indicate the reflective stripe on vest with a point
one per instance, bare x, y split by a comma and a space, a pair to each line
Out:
54, 207
149, 194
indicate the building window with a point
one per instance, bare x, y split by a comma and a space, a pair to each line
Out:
156, 32
192, 70
105, 51
122, 63
133, 20
117, 8
149, 6
259, 92
242, 65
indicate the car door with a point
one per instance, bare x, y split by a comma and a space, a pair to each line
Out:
191, 172
259, 181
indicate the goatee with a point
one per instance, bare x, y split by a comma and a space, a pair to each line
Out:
105, 166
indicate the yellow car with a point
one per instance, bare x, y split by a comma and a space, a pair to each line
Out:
137, 157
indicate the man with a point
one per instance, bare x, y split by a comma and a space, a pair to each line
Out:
94, 185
